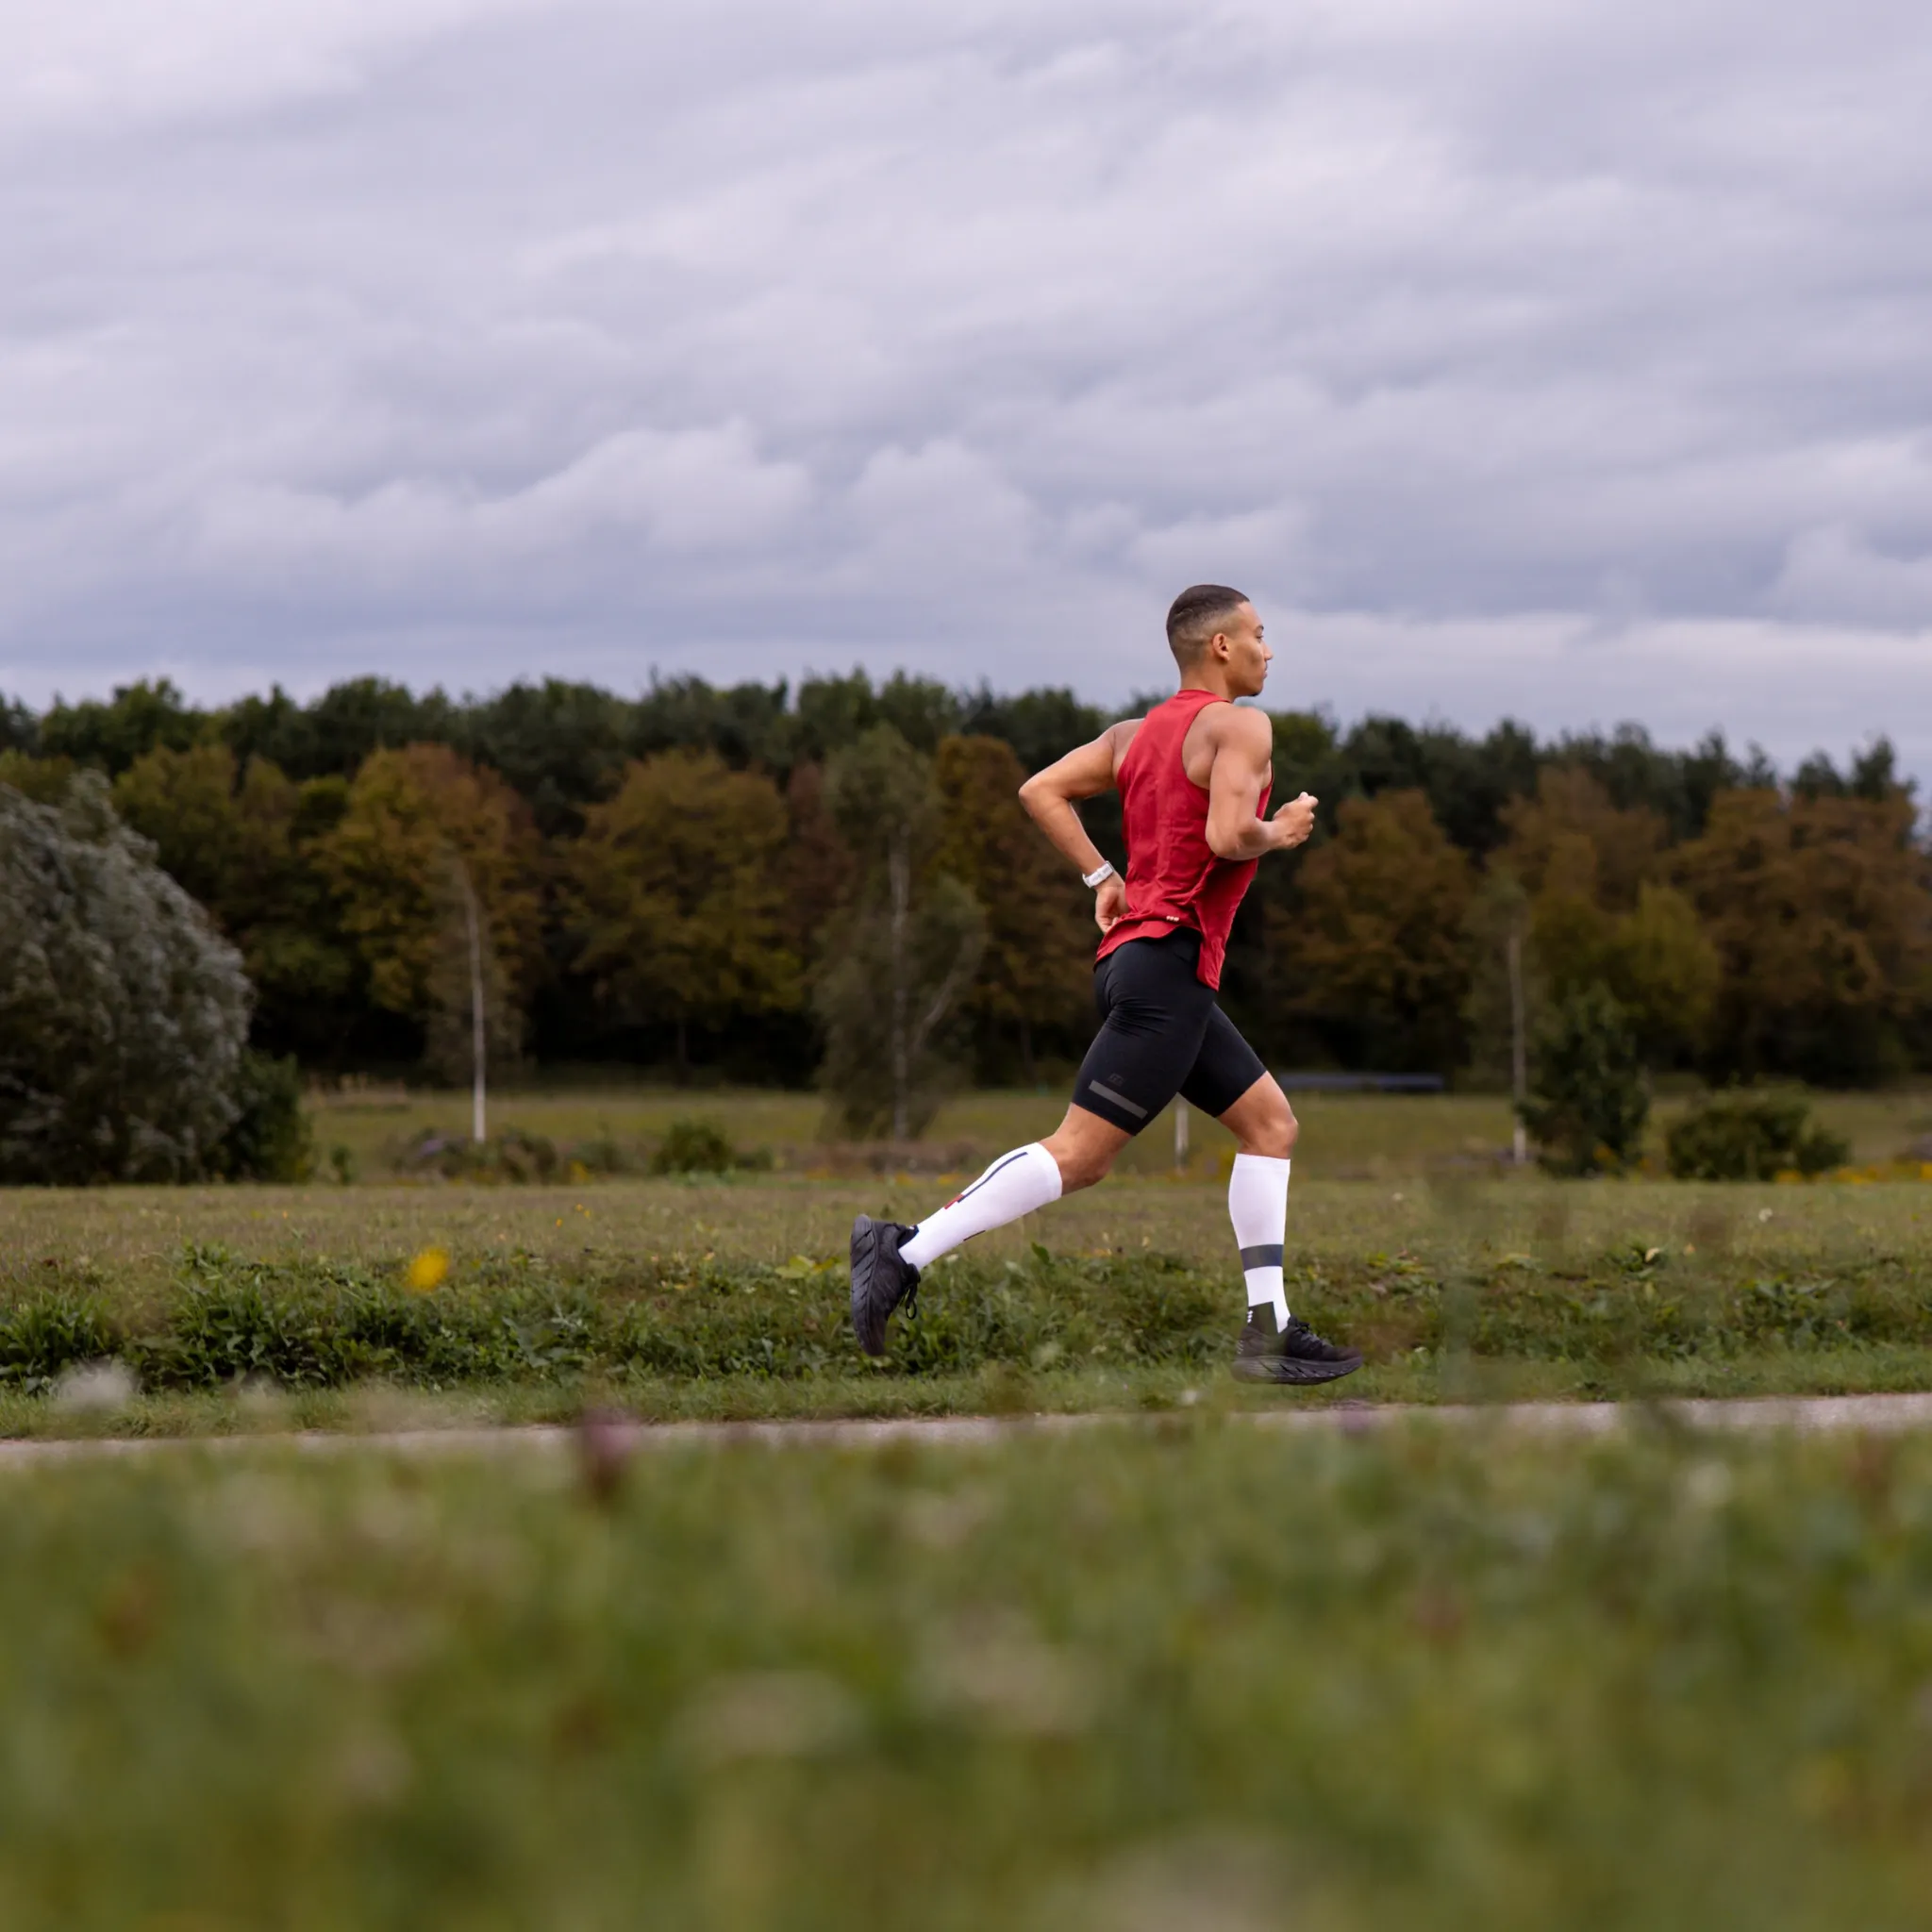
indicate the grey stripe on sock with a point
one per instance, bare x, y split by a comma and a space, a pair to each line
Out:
1267, 1256
987, 1176
1139, 1113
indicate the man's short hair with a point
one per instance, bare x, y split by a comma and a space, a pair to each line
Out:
1196, 614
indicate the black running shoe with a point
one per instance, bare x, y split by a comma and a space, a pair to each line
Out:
1296, 1355
880, 1281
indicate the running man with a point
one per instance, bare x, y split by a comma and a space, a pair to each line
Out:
1194, 777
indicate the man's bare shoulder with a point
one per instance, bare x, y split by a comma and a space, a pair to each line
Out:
1243, 727
1118, 737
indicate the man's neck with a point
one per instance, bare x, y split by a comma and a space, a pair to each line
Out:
1212, 678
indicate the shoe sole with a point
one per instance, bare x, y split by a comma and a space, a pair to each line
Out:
865, 1246
1291, 1370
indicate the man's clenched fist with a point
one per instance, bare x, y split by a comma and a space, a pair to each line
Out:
1295, 821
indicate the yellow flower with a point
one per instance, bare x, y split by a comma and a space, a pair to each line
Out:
427, 1270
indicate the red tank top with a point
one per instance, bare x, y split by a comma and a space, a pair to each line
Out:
1174, 878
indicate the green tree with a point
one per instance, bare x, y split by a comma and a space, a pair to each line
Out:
334, 734
1037, 967
111, 736
909, 946
745, 723
1748, 1136
679, 894
1376, 950
561, 746
1506, 991
271, 1138
1588, 1102
223, 853
123, 1012
1467, 782
20, 730
1664, 971
244, 844
1040, 725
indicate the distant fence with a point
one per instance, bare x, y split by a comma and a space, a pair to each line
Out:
1362, 1083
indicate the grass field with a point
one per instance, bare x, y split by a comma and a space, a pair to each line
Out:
1183, 1673
1344, 1136
1190, 1677
237, 1308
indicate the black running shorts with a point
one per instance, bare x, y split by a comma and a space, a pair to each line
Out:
1161, 1034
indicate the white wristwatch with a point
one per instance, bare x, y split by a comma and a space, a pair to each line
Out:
1102, 872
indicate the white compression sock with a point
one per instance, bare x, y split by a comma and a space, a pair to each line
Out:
1257, 1206
1015, 1184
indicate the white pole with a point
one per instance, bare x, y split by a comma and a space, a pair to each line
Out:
1518, 1045
1180, 1133
478, 1033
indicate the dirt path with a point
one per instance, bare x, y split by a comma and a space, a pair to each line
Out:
1807, 1415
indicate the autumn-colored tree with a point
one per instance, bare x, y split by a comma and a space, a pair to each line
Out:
1583, 863
1036, 969
1600, 913
1570, 837
1376, 949
820, 873
907, 950
241, 844
1821, 911
44, 780
407, 815
679, 888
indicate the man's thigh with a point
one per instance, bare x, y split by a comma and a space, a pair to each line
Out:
1224, 1068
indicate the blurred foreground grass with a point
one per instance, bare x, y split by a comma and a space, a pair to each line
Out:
1191, 1676
729, 1298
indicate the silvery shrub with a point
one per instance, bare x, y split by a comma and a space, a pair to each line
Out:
123, 1013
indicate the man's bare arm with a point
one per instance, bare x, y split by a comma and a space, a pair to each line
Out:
1243, 763
1049, 796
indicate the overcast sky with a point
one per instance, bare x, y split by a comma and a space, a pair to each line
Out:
1567, 360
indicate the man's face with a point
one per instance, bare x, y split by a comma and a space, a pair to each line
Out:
1248, 656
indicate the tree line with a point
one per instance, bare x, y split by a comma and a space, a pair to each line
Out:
836, 877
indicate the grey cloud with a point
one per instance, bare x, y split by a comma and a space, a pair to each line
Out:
1838, 569
1560, 361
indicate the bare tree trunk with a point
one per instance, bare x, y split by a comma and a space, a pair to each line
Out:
1180, 1132
899, 868
1519, 1043
479, 1130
